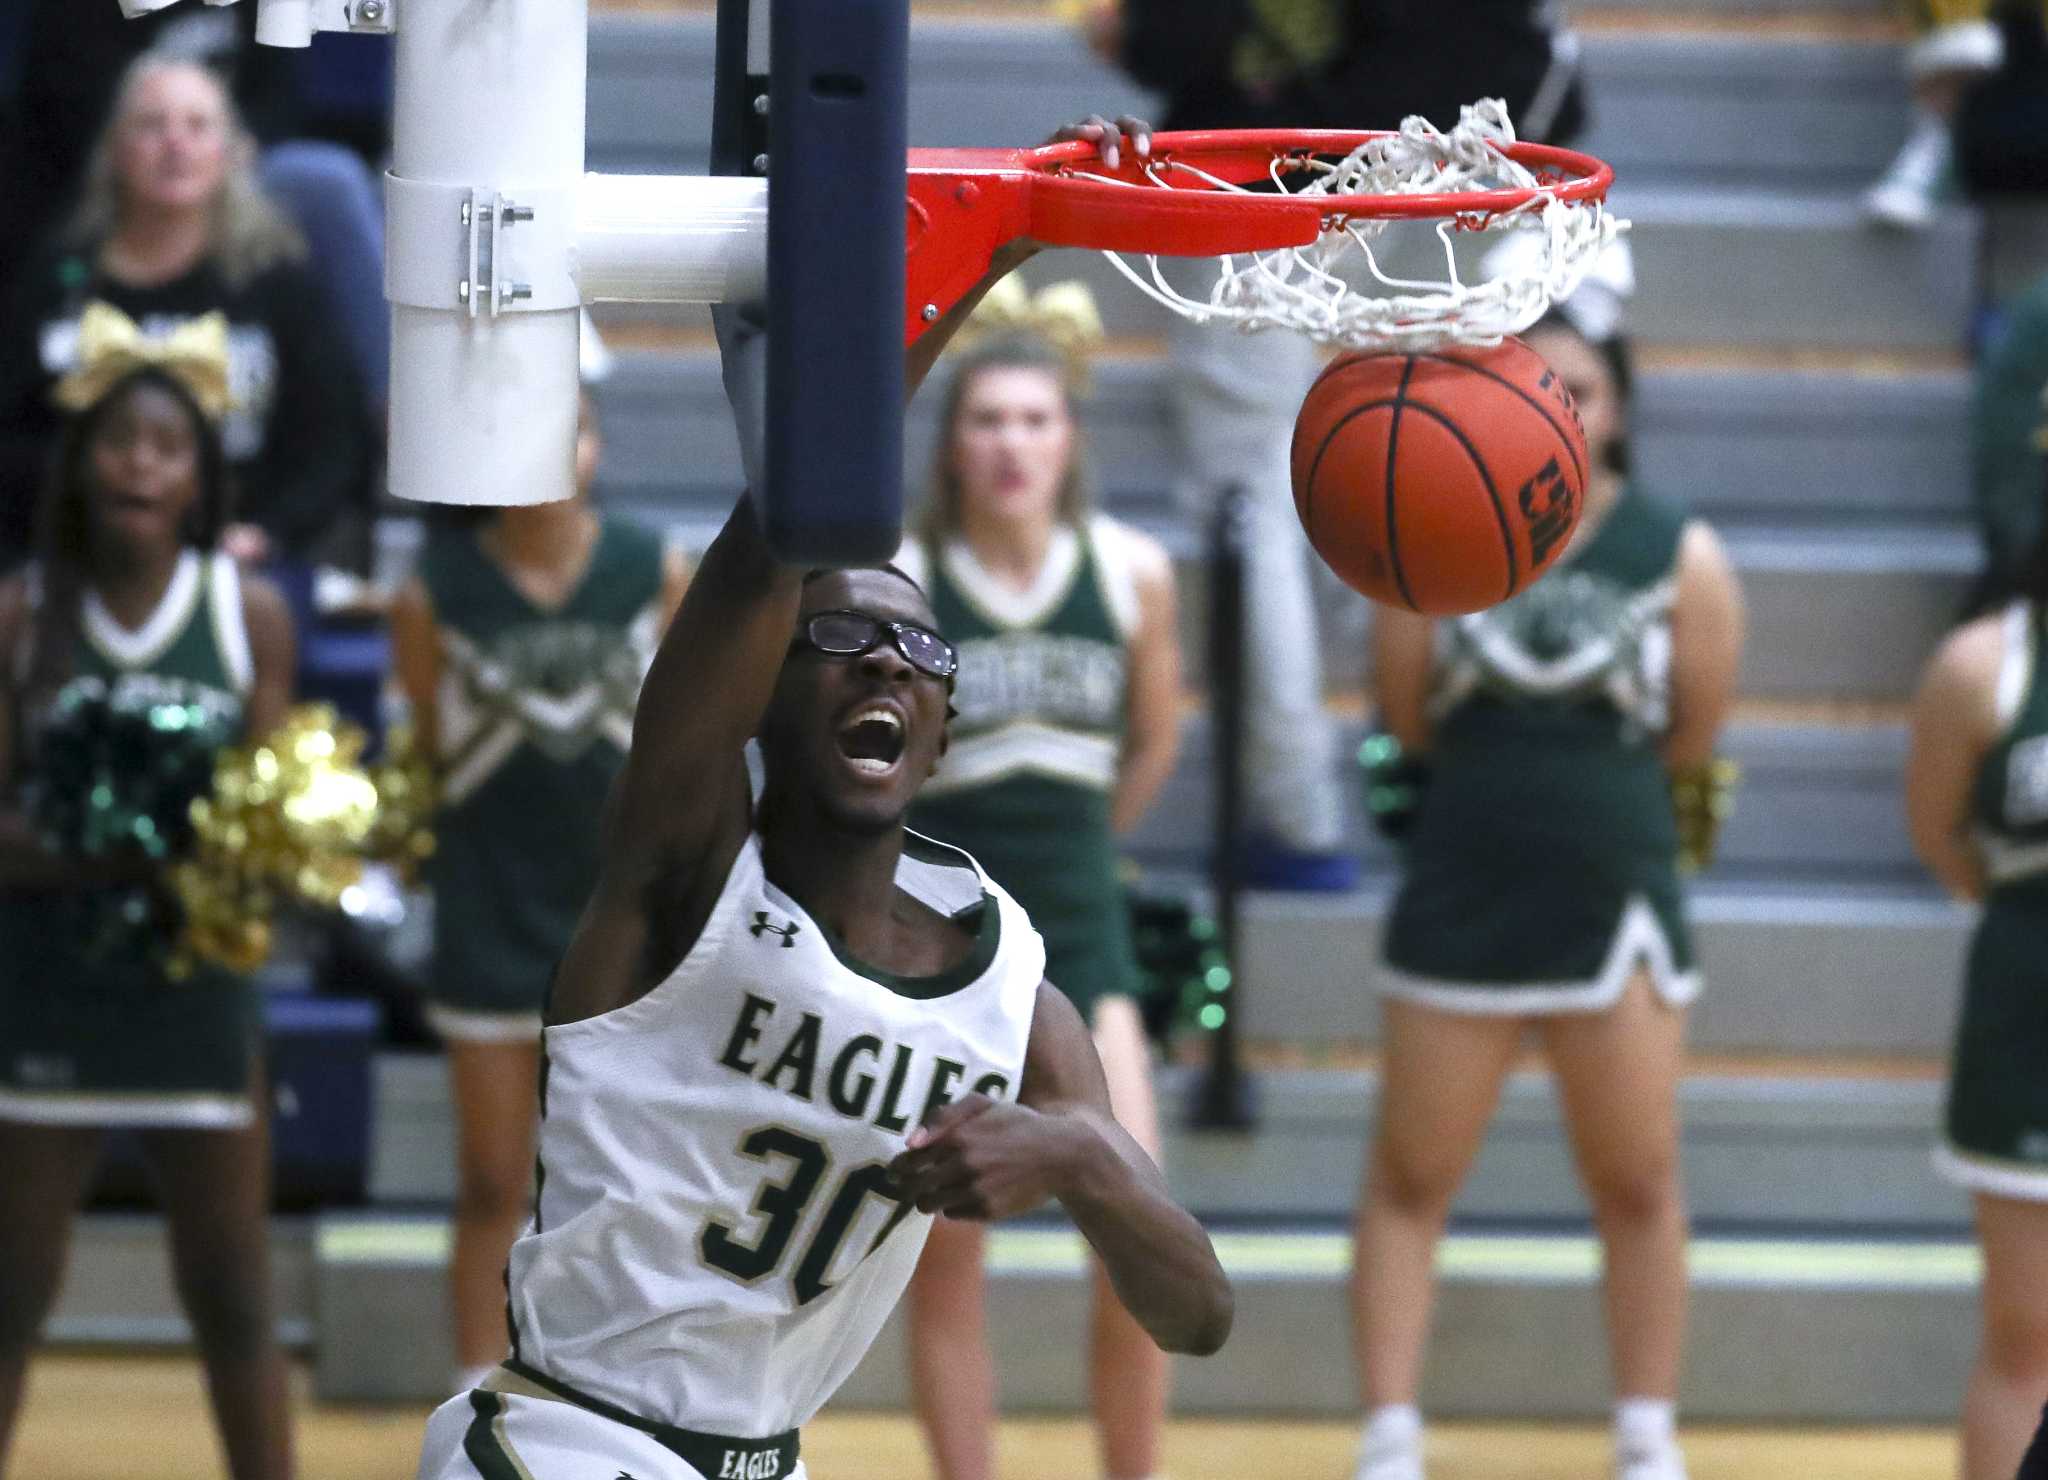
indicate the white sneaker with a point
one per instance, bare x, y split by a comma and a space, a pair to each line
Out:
1909, 193
1655, 1460
1397, 1460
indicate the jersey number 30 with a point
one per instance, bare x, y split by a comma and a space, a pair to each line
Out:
782, 1205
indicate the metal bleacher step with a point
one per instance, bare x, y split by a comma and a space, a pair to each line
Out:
1780, 1329
1827, 1143
1672, 101
1738, 437
1774, 107
1819, 804
1715, 266
117, 1287
1842, 490
1812, 1196
1803, 14
1796, 1328
1849, 613
1790, 968
1776, 252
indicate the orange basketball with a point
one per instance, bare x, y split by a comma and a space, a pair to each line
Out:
1442, 482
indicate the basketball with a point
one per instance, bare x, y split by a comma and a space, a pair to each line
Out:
1442, 482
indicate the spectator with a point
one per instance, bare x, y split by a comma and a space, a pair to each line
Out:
1569, 735
172, 225
1313, 64
320, 114
1069, 721
1957, 46
1977, 802
2006, 465
129, 587
519, 646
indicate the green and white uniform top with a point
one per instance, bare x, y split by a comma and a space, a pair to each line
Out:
1026, 782
85, 1041
1996, 1127
535, 712
1542, 868
716, 1241
2010, 800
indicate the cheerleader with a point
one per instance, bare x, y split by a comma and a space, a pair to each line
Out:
130, 590
1568, 736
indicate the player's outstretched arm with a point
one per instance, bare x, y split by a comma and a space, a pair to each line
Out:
982, 1159
680, 808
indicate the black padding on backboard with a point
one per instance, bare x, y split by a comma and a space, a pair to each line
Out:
837, 142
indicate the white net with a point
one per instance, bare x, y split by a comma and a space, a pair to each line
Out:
1340, 289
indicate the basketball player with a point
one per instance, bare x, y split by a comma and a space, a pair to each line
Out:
786, 1033
519, 645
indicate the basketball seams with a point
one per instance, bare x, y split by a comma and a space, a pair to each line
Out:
1534, 403
1396, 404
1308, 509
1500, 513
1393, 455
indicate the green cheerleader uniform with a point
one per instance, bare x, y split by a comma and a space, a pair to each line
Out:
1996, 1131
1542, 869
1026, 782
536, 711
90, 1042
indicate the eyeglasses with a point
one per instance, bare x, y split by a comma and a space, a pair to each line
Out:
849, 634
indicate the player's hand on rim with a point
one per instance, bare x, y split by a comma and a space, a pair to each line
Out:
985, 1159
1108, 137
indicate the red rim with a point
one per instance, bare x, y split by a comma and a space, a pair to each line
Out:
1244, 156
963, 204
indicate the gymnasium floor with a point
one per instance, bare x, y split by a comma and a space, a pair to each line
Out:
103, 1417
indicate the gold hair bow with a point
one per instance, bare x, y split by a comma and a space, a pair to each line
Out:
1062, 314
111, 347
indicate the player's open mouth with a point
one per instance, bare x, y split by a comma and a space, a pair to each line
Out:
872, 740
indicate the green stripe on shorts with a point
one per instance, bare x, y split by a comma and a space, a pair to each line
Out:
484, 1445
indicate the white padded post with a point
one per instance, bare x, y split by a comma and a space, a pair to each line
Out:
672, 239
490, 99
284, 22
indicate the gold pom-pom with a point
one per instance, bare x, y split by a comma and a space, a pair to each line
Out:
1702, 798
291, 821
408, 791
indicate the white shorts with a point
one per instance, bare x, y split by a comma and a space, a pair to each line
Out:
484, 1435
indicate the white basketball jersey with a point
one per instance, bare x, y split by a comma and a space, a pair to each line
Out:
716, 1243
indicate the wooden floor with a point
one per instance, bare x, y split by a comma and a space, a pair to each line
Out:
96, 1418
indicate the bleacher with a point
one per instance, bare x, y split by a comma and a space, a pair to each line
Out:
1805, 387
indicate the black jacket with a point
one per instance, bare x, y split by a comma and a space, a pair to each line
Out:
299, 444
1387, 59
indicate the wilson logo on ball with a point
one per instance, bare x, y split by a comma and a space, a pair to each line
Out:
1550, 507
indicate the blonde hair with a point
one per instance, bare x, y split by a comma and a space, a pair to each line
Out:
250, 232
1008, 350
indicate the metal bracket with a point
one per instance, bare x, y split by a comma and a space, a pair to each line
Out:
484, 215
368, 17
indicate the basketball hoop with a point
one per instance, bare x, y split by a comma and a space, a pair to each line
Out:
1294, 217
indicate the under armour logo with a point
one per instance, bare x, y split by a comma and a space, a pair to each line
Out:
762, 927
